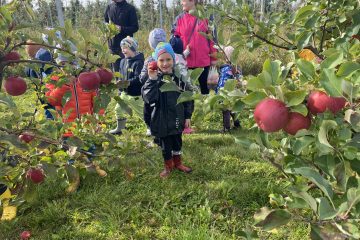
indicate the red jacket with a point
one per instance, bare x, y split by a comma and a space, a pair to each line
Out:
200, 46
80, 103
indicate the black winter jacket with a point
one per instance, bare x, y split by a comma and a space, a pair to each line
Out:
124, 15
130, 69
168, 117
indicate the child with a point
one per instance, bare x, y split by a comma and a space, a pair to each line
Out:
130, 69
80, 103
36, 52
181, 71
155, 37
227, 71
168, 118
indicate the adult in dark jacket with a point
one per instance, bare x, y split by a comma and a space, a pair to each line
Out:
123, 15
130, 69
168, 118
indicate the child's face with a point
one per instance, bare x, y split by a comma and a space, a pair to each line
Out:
166, 63
187, 5
127, 52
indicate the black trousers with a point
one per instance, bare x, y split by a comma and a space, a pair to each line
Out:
203, 80
147, 114
170, 144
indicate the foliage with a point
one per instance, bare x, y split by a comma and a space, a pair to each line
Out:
320, 165
49, 150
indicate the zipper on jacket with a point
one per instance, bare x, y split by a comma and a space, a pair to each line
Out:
76, 101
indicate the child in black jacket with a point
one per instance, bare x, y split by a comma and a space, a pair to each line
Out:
130, 69
168, 118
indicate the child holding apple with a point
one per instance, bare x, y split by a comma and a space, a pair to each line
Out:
168, 118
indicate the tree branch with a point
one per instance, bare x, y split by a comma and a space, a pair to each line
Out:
58, 48
30, 61
324, 27
262, 38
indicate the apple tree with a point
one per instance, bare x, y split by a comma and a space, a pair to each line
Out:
32, 147
306, 112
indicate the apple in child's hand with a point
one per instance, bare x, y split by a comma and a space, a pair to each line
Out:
153, 66
25, 235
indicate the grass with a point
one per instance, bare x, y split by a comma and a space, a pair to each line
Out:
216, 201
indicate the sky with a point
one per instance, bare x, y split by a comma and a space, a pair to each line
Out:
137, 2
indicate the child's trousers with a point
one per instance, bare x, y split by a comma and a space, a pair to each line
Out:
171, 145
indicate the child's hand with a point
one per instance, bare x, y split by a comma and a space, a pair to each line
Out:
152, 70
187, 123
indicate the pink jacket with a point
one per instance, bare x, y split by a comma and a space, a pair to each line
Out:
200, 46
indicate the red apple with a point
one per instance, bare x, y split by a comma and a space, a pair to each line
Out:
12, 56
89, 80
26, 137
317, 102
15, 85
25, 235
271, 115
36, 175
153, 66
335, 104
297, 122
105, 75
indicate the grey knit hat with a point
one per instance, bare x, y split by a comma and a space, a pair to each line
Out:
156, 35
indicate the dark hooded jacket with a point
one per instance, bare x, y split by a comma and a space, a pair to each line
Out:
130, 69
122, 14
168, 117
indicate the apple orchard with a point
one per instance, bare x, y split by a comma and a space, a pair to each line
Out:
304, 113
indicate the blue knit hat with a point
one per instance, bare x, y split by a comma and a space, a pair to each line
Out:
155, 36
164, 48
129, 42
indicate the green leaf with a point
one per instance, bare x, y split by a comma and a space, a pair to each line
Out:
306, 68
331, 83
333, 60
295, 97
301, 108
340, 176
272, 71
7, 100
325, 211
169, 87
302, 143
269, 220
195, 74
238, 106
230, 85
303, 39
305, 196
304, 12
243, 142
316, 178
311, 23
258, 83
185, 96
347, 69
353, 197
66, 98
326, 163
254, 98
327, 231
325, 127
